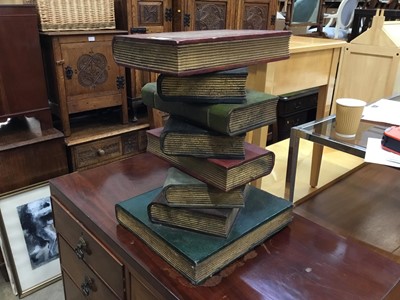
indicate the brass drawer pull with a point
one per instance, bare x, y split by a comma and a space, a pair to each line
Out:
81, 248
87, 286
101, 152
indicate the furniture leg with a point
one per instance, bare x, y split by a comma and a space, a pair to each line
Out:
292, 165
259, 137
316, 164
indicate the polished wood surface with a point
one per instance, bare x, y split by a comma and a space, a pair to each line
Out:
29, 154
313, 63
364, 205
303, 261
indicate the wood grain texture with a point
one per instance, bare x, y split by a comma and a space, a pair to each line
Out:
363, 205
303, 261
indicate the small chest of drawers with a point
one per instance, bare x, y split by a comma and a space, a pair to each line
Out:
89, 269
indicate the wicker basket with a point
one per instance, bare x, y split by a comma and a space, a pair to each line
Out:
60, 15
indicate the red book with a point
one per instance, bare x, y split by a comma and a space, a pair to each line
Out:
194, 52
224, 174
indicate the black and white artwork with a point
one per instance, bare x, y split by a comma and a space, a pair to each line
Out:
27, 230
39, 233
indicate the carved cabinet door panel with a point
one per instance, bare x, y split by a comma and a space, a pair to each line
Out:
147, 17
90, 72
155, 16
256, 14
209, 14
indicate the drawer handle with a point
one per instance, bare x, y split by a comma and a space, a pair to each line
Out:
87, 286
101, 152
81, 248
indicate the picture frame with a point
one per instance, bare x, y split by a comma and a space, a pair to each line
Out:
29, 238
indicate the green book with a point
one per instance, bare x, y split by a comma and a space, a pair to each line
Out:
197, 255
184, 139
182, 190
216, 221
232, 119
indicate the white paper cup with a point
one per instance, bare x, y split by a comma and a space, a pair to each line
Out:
348, 116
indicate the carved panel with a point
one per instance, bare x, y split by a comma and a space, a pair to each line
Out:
210, 16
150, 13
255, 17
92, 69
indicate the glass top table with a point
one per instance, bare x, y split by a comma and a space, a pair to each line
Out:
323, 132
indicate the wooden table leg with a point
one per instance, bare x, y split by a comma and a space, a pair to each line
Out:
259, 138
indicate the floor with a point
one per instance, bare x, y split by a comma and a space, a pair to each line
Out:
51, 292
334, 165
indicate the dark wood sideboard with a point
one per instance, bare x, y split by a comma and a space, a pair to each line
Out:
22, 82
103, 260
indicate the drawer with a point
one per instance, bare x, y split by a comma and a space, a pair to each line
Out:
105, 150
296, 102
286, 123
86, 248
91, 286
72, 292
96, 152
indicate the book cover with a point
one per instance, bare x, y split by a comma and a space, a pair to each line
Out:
225, 174
230, 119
215, 221
196, 255
216, 87
182, 190
194, 52
180, 137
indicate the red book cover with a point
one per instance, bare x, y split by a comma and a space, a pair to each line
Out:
224, 174
186, 53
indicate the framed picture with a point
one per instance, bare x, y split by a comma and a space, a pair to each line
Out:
29, 238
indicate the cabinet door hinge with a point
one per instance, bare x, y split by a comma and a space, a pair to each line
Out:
120, 82
168, 15
273, 20
186, 20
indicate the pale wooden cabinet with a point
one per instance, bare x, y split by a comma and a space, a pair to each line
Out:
82, 74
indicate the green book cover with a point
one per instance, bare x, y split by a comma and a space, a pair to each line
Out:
196, 255
231, 119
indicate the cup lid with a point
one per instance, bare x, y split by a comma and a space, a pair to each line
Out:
350, 102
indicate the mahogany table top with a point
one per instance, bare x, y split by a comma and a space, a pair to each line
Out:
303, 261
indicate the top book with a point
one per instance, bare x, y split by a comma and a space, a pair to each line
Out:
187, 53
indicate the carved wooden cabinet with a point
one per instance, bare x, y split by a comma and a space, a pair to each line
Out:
178, 15
82, 74
22, 81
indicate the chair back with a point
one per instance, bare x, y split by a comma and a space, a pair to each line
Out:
346, 13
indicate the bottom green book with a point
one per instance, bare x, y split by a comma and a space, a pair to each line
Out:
196, 255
